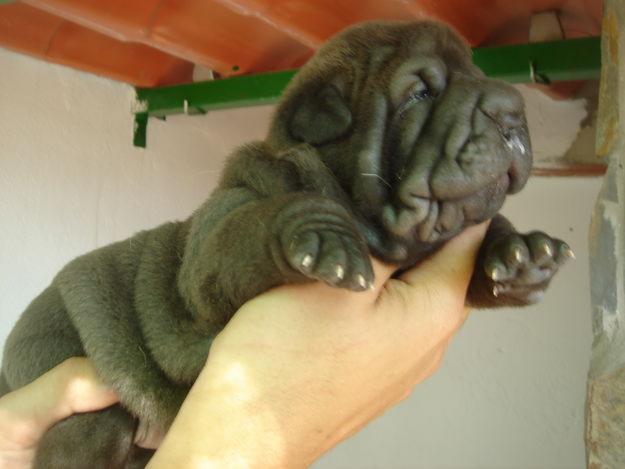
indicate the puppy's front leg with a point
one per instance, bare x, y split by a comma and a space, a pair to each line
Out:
318, 239
514, 269
293, 237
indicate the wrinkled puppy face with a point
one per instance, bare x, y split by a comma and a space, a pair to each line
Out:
424, 144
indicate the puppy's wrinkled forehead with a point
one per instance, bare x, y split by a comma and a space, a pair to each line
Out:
388, 43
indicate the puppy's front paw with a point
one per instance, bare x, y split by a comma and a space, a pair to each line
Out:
520, 266
322, 243
336, 257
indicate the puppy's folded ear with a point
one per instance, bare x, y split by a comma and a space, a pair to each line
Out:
320, 116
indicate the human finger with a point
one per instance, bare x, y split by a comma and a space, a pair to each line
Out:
71, 387
428, 301
453, 263
457, 258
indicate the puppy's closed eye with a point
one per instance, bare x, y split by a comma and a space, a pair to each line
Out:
418, 91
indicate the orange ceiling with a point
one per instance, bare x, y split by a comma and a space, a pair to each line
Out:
156, 42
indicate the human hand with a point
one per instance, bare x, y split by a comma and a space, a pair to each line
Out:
302, 367
25, 414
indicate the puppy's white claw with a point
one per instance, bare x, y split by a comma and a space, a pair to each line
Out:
547, 249
361, 281
496, 291
568, 252
307, 261
339, 271
518, 256
496, 274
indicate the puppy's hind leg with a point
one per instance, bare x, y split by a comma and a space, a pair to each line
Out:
139, 458
43, 338
94, 440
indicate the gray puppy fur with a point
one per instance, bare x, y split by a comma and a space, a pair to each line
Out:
388, 142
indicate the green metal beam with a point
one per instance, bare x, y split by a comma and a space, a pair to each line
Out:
572, 59
249, 90
543, 62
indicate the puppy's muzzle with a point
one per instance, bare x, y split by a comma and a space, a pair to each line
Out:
473, 150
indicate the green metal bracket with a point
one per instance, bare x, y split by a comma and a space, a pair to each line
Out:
140, 130
543, 62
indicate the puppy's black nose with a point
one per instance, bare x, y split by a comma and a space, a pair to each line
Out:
503, 105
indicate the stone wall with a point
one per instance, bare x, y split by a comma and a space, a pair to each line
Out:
605, 413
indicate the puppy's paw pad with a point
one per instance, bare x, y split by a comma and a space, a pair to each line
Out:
337, 257
521, 266
302, 251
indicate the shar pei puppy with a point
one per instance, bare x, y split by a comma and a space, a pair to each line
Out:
387, 143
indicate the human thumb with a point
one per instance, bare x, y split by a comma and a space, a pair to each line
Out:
453, 264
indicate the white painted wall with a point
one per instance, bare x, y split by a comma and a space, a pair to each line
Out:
511, 391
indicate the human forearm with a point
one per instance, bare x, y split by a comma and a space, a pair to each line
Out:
301, 368
225, 423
